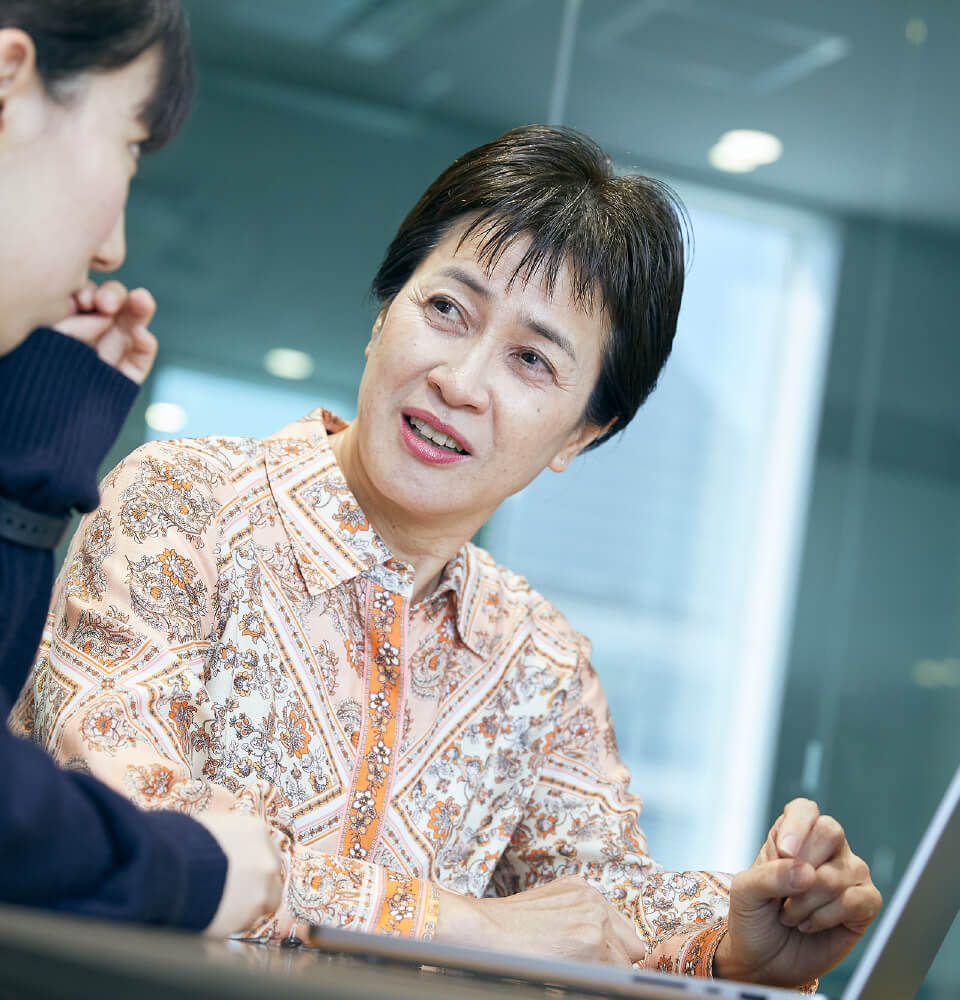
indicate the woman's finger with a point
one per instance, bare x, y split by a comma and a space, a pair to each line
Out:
629, 942
831, 882
140, 356
854, 909
111, 297
85, 297
85, 327
142, 305
799, 819
824, 842
114, 346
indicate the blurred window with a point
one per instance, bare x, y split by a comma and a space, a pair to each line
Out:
188, 402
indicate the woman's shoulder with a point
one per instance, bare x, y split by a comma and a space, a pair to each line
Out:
183, 484
509, 600
209, 464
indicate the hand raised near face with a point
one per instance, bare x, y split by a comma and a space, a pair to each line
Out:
802, 905
113, 321
566, 918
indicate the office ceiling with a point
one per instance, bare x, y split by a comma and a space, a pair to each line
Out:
861, 92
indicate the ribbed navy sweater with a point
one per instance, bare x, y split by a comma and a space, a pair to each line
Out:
67, 842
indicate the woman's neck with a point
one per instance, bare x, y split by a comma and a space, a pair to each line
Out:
426, 545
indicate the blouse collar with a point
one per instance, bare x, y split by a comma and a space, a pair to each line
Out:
333, 540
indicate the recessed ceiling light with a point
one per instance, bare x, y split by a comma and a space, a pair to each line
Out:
937, 673
743, 150
168, 418
916, 31
286, 363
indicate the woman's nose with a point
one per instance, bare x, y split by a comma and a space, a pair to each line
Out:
463, 381
111, 254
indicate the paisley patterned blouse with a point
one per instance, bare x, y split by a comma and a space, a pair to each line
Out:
230, 633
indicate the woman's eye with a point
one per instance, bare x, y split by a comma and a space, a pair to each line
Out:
444, 307
532, 359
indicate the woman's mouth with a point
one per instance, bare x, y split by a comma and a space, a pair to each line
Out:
427, 442
422, 429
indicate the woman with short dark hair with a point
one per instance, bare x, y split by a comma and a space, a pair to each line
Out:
622, 235
85, 87
301, 622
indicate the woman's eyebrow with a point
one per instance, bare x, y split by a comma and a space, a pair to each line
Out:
541, 329
465, 278
548, 333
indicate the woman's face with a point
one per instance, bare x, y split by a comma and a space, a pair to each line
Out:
497, 375
65, 171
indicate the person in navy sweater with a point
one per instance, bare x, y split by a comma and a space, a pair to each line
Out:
86, 86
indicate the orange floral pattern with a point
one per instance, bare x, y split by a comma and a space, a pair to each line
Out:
370, 784
231, 633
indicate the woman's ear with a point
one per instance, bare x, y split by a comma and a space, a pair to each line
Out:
18, 62
375, 332
18, 65
579, 440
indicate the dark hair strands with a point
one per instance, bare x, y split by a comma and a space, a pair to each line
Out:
75, 37
622, 237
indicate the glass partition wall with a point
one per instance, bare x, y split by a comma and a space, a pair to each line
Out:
768, 562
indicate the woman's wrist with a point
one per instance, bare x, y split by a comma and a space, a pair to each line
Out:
462, 920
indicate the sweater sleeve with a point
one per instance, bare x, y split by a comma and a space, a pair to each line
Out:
61, 409
66, 841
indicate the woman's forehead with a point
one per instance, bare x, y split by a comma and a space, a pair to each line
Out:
506, 268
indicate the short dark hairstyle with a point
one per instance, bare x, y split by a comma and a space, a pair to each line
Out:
623, 237
73, 37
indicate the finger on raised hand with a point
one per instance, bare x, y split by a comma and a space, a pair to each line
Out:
85, 327
114, 346
140, 307
799, 818
142, 353
824, 841
768, 880
854, 909
86, 297
829, 884
111, 297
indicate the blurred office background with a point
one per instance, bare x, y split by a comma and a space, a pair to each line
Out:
768, 561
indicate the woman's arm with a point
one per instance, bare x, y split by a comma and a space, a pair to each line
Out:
581, 825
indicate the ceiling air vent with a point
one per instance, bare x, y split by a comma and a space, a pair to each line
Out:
392, 25
705, 43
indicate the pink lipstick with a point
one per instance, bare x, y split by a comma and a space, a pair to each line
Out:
420, 445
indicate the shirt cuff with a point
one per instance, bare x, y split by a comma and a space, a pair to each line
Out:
695, 957
698, 951
348, 894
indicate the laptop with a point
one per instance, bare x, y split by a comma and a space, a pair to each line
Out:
904, 944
